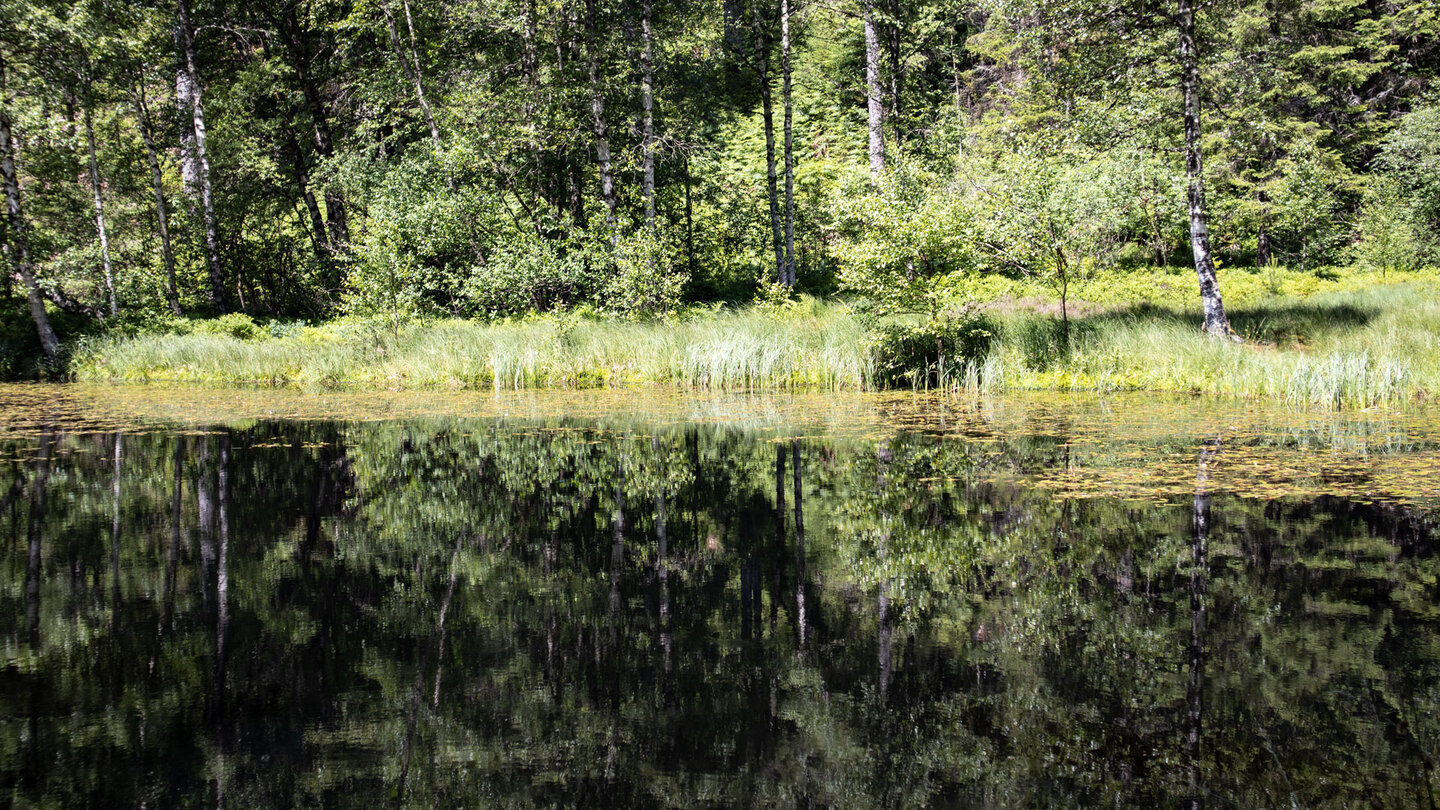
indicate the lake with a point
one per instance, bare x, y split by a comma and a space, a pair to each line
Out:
217, 598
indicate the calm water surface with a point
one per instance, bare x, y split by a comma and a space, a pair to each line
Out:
248, 599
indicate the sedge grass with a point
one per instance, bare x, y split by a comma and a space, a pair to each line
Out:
1350, 347
809, 346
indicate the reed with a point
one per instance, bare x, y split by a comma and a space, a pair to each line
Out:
1378, 345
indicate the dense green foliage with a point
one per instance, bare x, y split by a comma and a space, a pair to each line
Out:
473, 160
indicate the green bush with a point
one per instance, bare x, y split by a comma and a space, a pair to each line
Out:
933, 354
236, 325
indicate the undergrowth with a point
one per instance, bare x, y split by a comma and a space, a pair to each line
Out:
1349, 341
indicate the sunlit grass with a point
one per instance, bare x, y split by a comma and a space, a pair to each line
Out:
1373, 347
809, 345
1351, 347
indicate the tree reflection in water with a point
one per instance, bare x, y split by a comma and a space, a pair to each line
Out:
490, 613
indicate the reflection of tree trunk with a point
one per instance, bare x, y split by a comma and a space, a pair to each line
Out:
222, 571
883, 456
205, 507
802, 629
779, 536
1199, 581
412, 712
172, 556
222, 613
662, 565
440, 626
115, 543
617, 559
883, 609
32, 537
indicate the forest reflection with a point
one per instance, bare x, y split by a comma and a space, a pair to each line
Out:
484, 612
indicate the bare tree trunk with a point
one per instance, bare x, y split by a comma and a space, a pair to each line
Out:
787, 272
1216, 323
99, 200
647, 104
872, 95
162, 216
18, 237
597, 112
219, 299
767, 111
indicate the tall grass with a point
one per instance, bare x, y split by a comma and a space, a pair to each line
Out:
1374, 347
1356, 347
808, 345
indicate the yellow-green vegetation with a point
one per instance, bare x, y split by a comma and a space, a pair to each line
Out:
802, 345
1349, 339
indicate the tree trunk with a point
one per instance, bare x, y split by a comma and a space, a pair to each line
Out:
767, 110
411, 62
312, 206
1216, 323
18, 238
597, 112
872, 95
338, 227
99, 201
647, 120
162, 216
1262, 239
689, 217
219, 299
787, 270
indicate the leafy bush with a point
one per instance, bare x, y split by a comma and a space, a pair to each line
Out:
533, 275
646, 279
931, 354
236, 325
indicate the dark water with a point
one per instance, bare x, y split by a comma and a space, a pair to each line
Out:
490, 613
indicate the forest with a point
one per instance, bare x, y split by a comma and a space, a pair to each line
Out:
288, 163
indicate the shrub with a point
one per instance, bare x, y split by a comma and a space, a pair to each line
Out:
647, 280
236, 325
931, 354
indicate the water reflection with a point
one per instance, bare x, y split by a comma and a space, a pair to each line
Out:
489, 613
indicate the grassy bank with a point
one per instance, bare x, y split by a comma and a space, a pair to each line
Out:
1353, 340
